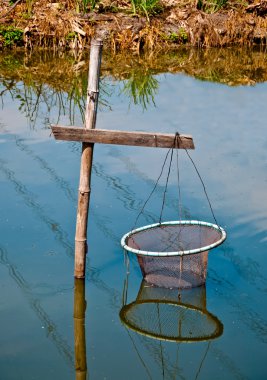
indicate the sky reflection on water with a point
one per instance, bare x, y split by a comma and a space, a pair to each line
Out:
39, 178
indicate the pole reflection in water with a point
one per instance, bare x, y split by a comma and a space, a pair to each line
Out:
79, 329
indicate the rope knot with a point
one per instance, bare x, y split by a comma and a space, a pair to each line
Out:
176, 140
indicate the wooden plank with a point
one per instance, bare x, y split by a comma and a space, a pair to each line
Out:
105, 136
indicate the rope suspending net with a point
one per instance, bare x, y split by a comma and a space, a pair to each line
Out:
174, 254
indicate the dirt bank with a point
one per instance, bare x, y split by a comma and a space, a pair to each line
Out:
126, 25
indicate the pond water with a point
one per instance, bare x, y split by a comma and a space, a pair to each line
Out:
39, 181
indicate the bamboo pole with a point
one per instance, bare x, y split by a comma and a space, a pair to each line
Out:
87, 159
79, 329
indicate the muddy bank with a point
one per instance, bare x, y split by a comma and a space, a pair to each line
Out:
168, 24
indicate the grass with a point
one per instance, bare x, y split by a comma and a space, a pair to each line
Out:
180, 37
70, 24
10, 36
211, 6
146, 7
86, 5
29, 5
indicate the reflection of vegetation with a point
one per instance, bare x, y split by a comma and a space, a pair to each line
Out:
141, 87
46, 81
227, 66
33, 96
232, 67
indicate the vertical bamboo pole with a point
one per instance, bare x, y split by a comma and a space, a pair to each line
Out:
87, 160
79, 329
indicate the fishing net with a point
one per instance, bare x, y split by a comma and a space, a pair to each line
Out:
169, 315
174, 254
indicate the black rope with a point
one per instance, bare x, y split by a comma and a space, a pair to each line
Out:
202, 182
154, 188
204, 187
176, 146
126, 280
160, 344
138, 354
202, 361
166, 185
178, 175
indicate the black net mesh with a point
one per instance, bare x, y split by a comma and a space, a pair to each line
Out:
175, 271
174, 238
181, 271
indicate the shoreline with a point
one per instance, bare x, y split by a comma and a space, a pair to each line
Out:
54, 25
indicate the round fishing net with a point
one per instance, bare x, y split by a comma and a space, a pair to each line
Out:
174, 254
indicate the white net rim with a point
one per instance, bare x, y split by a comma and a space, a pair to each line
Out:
175, 253
217, 332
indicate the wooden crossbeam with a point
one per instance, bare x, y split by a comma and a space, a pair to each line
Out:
105, 136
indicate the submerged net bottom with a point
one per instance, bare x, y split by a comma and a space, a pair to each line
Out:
183, 272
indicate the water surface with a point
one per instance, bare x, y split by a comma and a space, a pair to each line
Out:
39, 180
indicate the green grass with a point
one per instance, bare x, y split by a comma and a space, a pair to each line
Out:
146, 7
85, 5
179, 37
10, 36
211, 6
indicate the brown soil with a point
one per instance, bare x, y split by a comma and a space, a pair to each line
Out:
58, 25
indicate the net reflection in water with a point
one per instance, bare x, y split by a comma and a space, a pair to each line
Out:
171, 315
